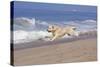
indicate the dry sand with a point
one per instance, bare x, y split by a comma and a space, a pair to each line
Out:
75, 51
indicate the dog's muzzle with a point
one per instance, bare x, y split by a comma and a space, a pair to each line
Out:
48, 30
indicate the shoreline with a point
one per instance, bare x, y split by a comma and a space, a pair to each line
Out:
40, 43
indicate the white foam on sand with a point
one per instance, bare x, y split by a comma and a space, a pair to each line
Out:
21, 36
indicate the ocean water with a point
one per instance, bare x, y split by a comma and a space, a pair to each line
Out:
31, 20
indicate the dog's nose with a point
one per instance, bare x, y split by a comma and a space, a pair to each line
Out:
48, 30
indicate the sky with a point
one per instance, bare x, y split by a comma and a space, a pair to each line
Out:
56, 7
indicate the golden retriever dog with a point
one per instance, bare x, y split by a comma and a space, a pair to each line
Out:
58, 31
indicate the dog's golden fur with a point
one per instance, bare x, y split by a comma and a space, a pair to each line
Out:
58, 31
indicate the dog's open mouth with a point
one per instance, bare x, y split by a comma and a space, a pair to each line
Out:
48, 30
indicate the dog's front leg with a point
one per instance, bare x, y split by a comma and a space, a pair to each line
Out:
49, 37
55, 37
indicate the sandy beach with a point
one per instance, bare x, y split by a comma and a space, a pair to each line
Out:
81, 50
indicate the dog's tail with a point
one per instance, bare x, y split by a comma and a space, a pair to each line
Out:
74, 28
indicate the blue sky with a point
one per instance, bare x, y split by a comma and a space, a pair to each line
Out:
55, 7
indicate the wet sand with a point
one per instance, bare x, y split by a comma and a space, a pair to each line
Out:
80, 50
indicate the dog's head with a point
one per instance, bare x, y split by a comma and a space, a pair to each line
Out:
52, 28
